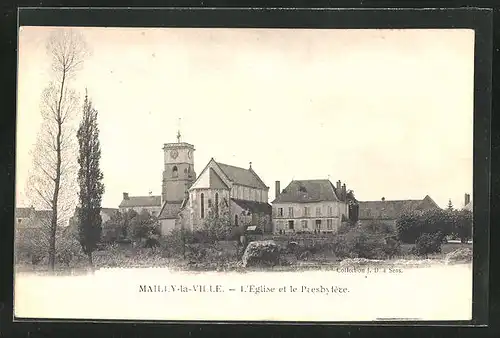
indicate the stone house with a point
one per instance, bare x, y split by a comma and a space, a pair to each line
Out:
221, 187
150, 203
388, 211
31, 222
310, 206
30, 218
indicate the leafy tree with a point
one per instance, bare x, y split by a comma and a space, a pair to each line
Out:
142, 226
51, 179
90, 181
428, 243
463, 225
411, 224
113, 229
217, 224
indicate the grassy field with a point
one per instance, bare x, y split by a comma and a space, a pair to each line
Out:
227, 261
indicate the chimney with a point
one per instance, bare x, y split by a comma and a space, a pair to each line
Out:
467, 199
383, 199
277, 189
338, 185
344, 192
125, 195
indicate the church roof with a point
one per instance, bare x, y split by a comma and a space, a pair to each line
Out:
253, 206
170, 210
241, 176
384, 209
215, 181
307, 191
141, 201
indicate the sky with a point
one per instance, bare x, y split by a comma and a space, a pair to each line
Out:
387, 112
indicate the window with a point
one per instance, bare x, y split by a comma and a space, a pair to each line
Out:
209, 203
304, 224
290, 225
236, 220
318, 224
202, 197
330, 211
19, 220
174, 172
280, 212
290, 212
329, 224
216, 203
306, 211
318, 211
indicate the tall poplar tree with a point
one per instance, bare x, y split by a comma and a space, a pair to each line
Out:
90, 181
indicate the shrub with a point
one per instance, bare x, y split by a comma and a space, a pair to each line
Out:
428, 243
370, 241
376, 227
460, 255
392, 247
261, 253
69, 251
31, 245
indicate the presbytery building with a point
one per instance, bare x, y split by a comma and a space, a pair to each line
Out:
311, 206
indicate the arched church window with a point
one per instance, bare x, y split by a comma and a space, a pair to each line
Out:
202, 196
217, 203
235, 220
174, 172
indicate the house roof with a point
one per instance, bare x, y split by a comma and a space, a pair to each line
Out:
392, 209
254, 207
24, 212
307, 191
241, 176
468, 206
109, 211
141, 201
170, 210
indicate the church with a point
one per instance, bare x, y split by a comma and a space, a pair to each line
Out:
188, 199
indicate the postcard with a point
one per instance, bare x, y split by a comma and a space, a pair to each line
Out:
244, 174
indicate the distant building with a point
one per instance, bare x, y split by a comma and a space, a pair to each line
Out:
220, 186
389, 211
32, 218
152, 204
468, 202
72, 228
310, 206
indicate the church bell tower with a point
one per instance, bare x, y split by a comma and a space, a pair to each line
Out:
178, 173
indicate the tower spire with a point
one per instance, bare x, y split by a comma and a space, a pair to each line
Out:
179, 131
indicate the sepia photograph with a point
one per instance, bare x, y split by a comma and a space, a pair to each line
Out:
244, 174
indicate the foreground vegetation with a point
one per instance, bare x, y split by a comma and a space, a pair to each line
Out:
198, 252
